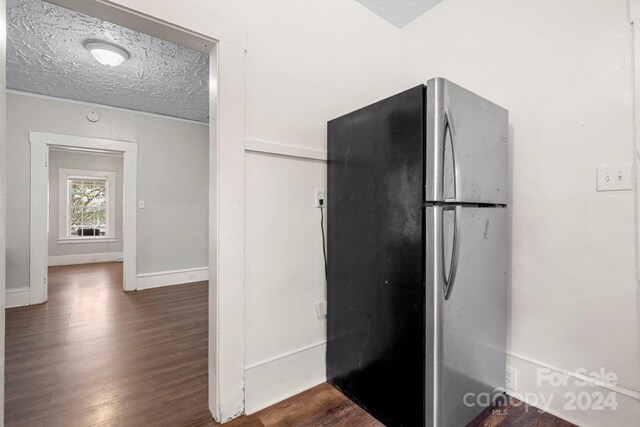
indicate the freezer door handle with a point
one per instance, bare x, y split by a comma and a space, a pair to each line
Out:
450, 272
450, 170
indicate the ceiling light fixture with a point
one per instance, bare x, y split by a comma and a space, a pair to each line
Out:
106, 53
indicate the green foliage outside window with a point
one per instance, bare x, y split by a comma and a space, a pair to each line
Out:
88, 205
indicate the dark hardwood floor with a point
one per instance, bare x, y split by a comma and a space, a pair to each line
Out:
95, 356
324, 406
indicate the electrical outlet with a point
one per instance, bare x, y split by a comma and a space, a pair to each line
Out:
320, 194
321, 309
512, 378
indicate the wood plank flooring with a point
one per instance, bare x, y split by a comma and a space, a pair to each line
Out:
95, 356
324, 406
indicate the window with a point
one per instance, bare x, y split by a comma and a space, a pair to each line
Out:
87, 205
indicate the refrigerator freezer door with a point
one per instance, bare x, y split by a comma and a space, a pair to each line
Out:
467, 146
466, 332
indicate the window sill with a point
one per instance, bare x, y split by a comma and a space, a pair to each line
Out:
73, 241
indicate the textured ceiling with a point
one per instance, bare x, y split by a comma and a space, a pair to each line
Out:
45, 55
399, 12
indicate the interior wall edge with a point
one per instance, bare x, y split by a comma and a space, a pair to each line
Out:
103, 106
3, 195
227, 246
635, 56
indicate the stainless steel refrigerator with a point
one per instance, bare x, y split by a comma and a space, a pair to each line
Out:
417, 255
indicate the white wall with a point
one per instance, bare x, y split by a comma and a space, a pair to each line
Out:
172, 180
564, 71
307, 62
64, 159
284, 278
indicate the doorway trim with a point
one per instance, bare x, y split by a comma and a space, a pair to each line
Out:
196, 24
634, 20
39, 225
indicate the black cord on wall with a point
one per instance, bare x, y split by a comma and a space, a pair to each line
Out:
324, 247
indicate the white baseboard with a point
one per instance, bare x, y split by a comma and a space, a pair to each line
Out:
170, 278
17, 297
557, 399
84, 259
277, 378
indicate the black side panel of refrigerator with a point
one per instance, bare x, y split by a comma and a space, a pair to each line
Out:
375, 312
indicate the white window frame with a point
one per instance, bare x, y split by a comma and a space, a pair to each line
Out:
64, 209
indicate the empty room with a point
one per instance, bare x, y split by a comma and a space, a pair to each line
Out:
108, 205
338, 213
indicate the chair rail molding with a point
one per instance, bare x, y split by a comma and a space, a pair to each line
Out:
258, 146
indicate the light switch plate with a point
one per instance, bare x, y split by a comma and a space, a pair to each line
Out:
615, 177
140, 204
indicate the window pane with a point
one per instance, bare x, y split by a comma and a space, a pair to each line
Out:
95, 195
76, 217
101, 216
88, 192
76, 195
89, 218
75, 221
88, 205
95, 216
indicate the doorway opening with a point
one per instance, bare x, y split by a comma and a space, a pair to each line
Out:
83, 198
166, 192
199, 27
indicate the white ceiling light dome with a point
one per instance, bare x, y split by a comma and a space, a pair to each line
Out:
107, 53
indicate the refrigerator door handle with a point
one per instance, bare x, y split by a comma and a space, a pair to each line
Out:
449, 154
450, 277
